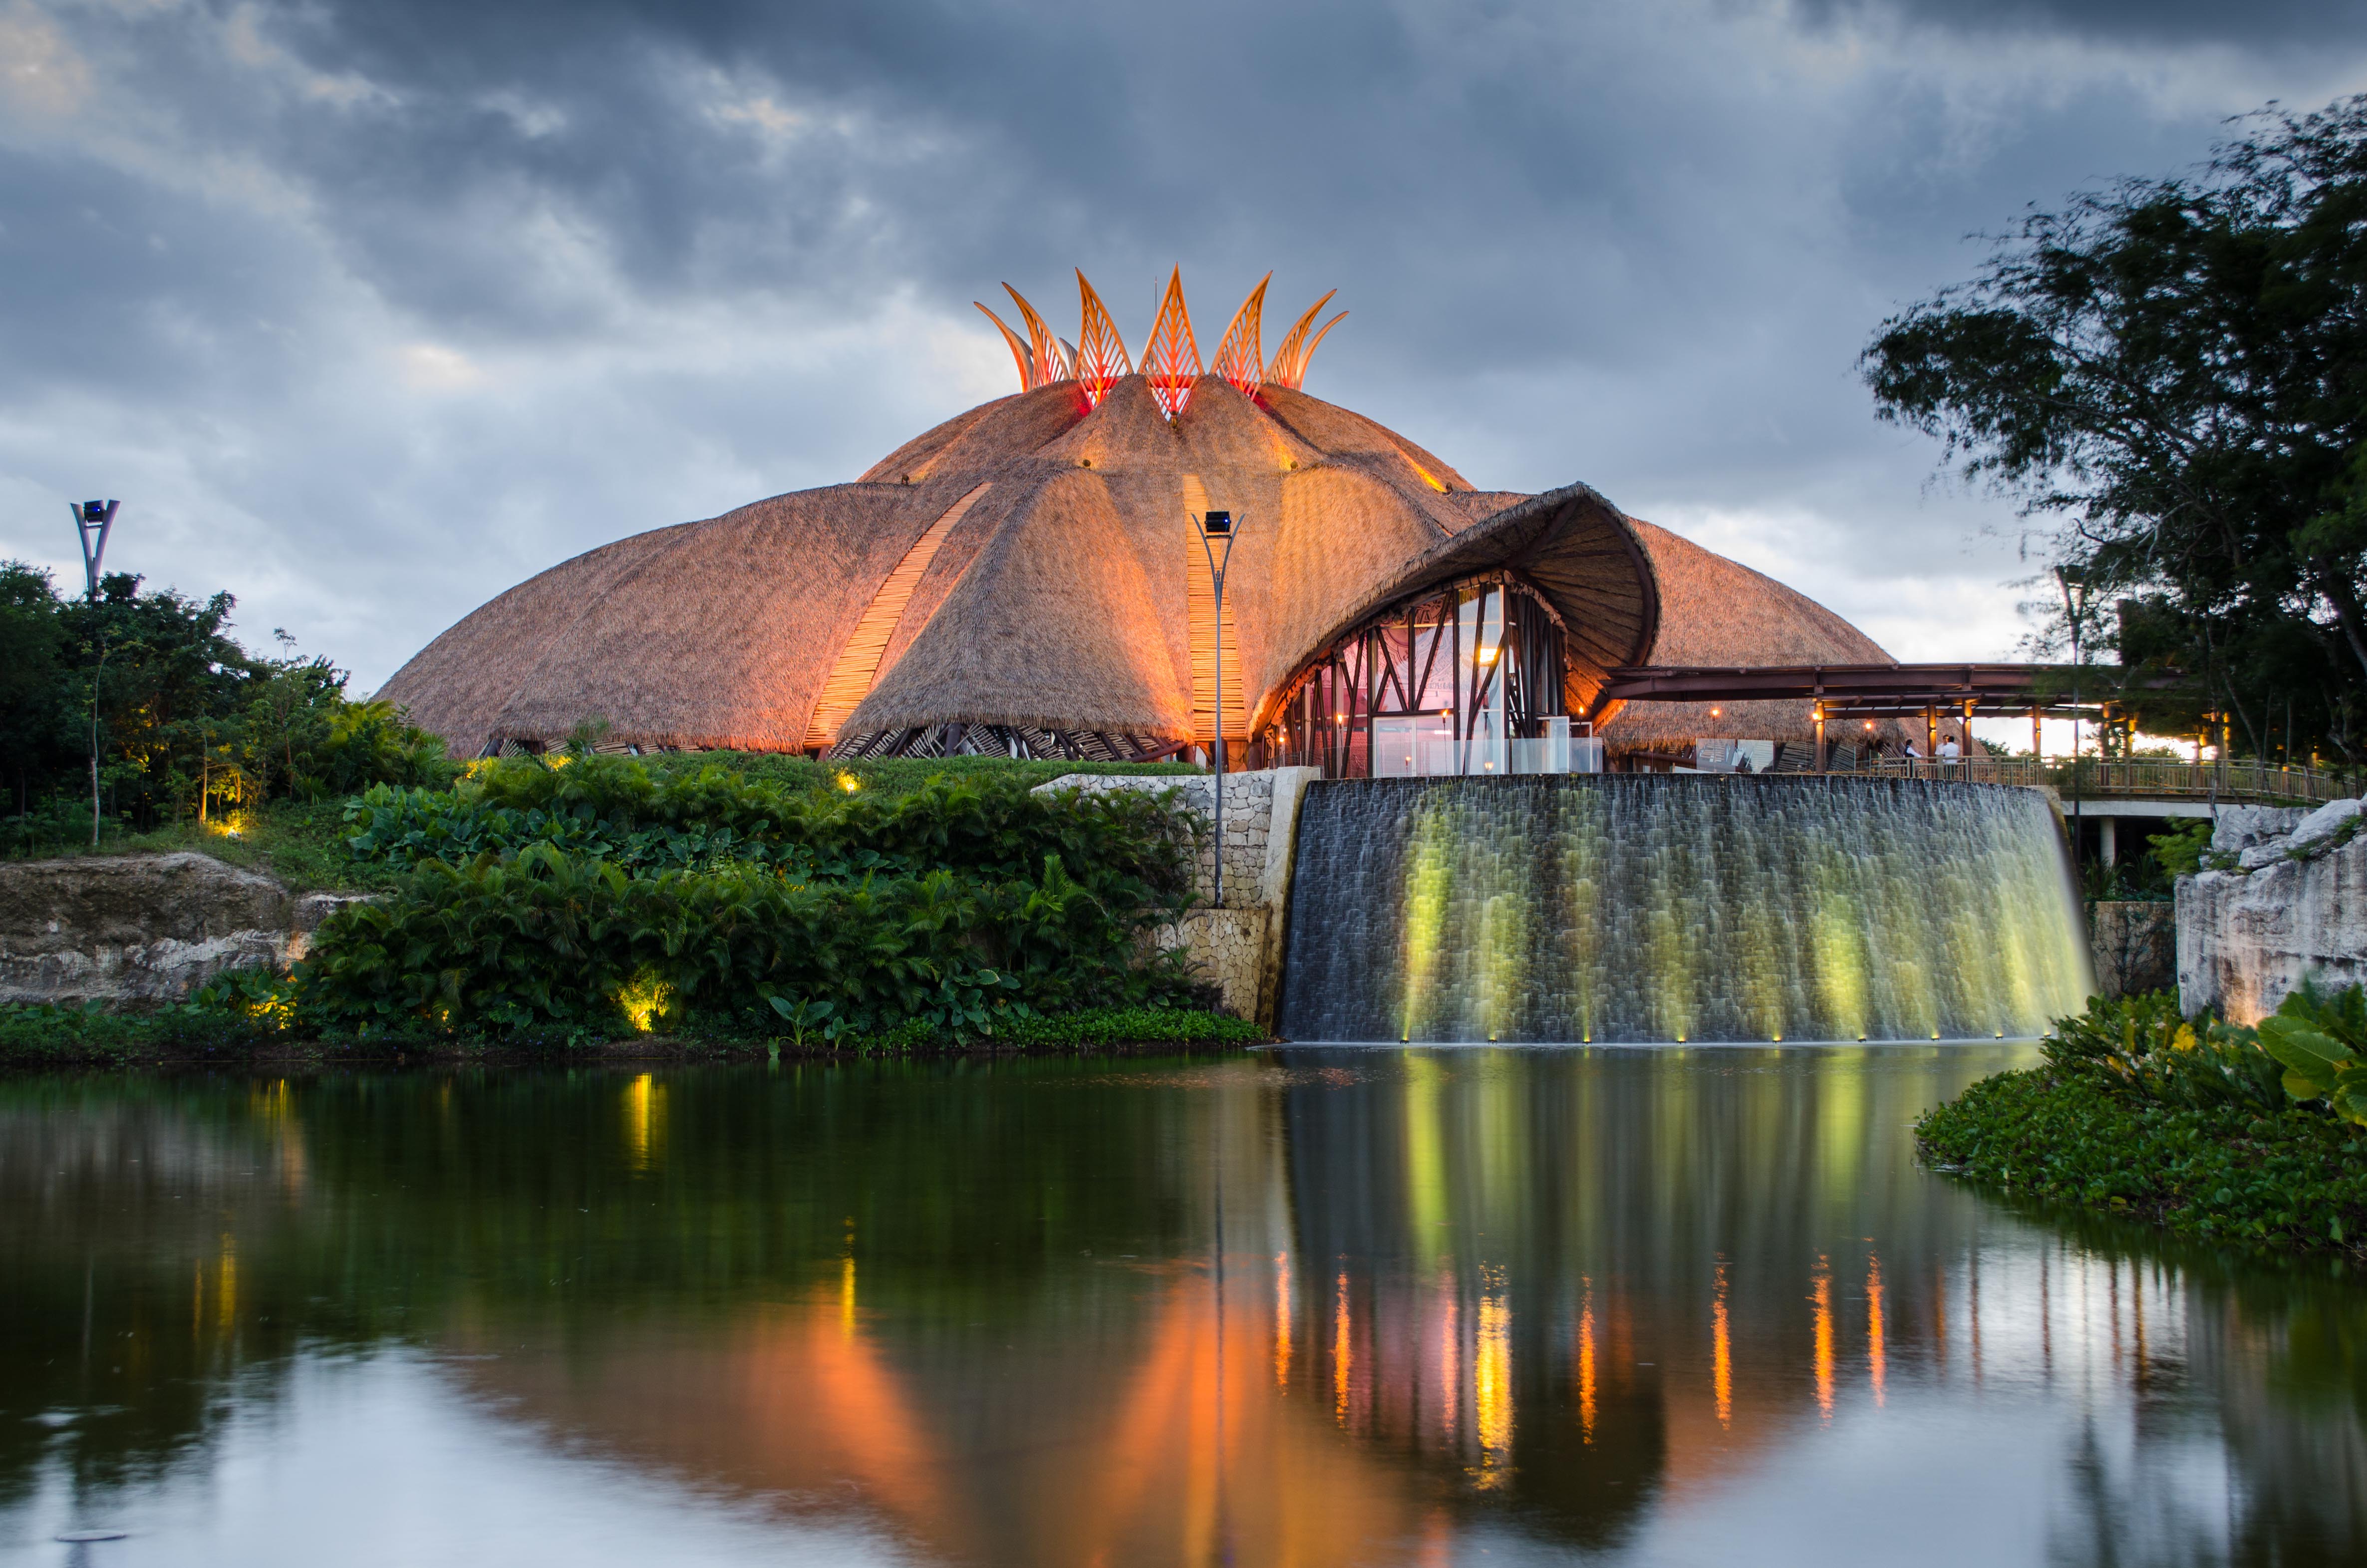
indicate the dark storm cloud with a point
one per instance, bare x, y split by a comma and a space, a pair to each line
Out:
384, 305
2253, 24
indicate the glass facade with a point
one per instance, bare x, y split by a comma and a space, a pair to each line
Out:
1463, 680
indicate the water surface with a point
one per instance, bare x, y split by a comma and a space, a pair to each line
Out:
1311, 1307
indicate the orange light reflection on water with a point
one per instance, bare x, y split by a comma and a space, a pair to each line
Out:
1722, 1351
1586, 1360
1824, 1300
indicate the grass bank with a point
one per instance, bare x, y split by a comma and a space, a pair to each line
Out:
41, 1037
2197, 1126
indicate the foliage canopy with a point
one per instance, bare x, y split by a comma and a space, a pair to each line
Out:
2175, 369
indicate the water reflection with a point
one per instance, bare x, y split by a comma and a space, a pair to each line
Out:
1312, 1308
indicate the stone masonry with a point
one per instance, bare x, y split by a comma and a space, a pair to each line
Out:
1236, 946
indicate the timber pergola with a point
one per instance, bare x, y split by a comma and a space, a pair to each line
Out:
1877, 690
1895, 691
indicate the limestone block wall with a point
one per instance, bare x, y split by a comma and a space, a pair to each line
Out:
1236, 944
2293, 904
143, 927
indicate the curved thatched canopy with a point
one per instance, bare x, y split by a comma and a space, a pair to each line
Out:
1714, 611
1576, 549
1028, 563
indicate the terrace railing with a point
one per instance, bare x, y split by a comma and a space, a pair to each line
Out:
2256, 783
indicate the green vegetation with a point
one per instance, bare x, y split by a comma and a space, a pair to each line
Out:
2176, 368
542, 905
192, 729
2205, 1128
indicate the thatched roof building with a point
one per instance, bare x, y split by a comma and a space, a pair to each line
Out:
1029, 577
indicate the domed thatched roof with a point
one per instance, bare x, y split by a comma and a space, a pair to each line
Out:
1030, 565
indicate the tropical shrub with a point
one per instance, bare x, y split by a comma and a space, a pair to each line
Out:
2320, 1039
548, 938
1128, 844
2142, 1047
2311, 1052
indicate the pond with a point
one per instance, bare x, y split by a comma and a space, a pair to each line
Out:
1306, 1307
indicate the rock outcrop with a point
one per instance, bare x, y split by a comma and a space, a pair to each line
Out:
2293, 904
143, 928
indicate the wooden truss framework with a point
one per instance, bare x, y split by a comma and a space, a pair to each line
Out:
1240, 355
1101, 358
1172, 356
1482, 657
1289, 367
958, 739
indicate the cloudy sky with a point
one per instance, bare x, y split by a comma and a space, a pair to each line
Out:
368, 309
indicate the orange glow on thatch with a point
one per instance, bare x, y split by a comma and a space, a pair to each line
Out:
1101, 358
1172, 356
1240, 356
1200, 596
858, 662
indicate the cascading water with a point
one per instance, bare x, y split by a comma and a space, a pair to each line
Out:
1643, 907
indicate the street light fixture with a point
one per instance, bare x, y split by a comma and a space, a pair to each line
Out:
94, 521
1216, 532
2074, 583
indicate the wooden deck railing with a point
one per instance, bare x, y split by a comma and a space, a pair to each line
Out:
2155, 779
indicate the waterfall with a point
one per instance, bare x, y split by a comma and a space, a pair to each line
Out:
1644, 907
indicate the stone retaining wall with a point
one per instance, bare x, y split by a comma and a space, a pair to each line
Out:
2135, 944
143, 928
1236, 946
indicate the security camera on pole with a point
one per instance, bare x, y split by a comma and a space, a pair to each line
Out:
93, 521
1219, 528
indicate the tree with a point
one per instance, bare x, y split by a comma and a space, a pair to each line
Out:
183, 712
2174, 370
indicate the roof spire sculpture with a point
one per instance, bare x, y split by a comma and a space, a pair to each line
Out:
1101, 358
1240, 356
1170, 358
1289, 365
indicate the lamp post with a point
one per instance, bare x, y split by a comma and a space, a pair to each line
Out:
93, 522
2074, 582
1217, 528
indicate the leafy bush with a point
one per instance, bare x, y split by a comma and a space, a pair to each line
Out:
2214, 1172
644, 820
2141, 1046
2181, 850
547, 937
2318, 1037
2311, 1054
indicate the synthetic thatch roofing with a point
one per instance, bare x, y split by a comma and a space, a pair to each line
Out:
1059, 597
1716, 611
